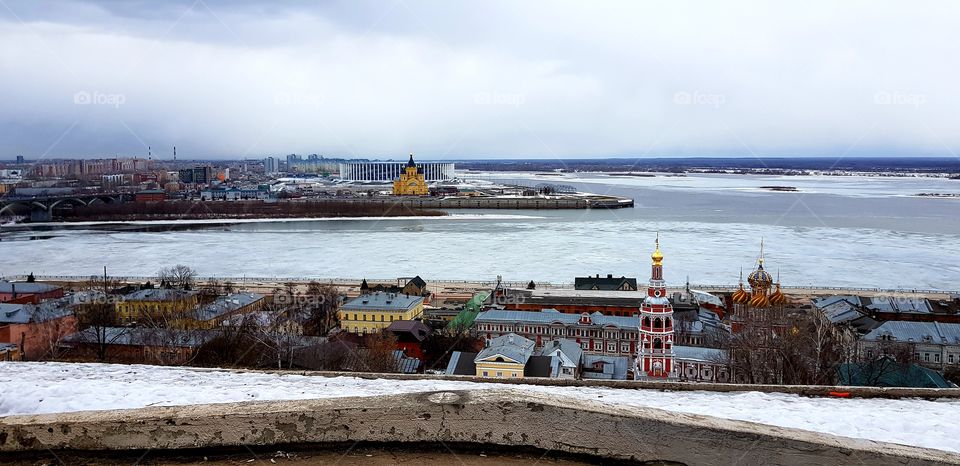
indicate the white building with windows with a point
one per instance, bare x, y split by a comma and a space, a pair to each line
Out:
935, 345
389, 171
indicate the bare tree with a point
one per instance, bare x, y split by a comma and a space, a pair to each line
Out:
178, 276
96, 315
378, 356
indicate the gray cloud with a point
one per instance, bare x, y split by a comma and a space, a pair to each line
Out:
482, 79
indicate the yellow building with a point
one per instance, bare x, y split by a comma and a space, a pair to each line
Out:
156, 306
373, 312
411, 182
505, 357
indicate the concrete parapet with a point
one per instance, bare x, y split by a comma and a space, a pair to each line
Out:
803, 390
488, 417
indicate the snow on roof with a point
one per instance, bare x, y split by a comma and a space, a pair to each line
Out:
899, 304
157, 294
26, 287
227, 304
934, 332
382, 300
696, 353
510, 346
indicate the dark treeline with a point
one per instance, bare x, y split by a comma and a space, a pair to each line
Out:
197, 210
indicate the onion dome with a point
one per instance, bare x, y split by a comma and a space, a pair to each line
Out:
759, 300
777, 298
411, 163
657, 256
760, 279
741, 296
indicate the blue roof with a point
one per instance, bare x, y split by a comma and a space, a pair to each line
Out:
382, 300
548, 316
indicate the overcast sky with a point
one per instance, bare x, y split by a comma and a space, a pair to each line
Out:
485, 79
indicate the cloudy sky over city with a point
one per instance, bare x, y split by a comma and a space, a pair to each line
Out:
451, 80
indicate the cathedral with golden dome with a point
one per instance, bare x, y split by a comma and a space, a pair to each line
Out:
411, 182
757, 304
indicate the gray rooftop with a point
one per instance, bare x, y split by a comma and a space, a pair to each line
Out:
610, 367
382, 300
227, 304
932, 332
158, 294
138, 336
548, 316
26, 287
696, 353
571, 349
511, 346
26, 313
899, 304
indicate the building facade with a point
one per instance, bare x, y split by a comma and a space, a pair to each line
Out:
158, 306
655, 352
411, 182
595, 333
934, 344
371, 313
389, 171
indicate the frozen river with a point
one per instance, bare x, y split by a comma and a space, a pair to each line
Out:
836, 231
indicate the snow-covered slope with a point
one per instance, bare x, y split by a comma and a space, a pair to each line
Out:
28, 388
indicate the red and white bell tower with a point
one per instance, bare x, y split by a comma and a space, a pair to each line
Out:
655, 348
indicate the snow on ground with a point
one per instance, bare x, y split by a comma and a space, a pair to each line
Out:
31, 388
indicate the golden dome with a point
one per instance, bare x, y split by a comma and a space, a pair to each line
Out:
778, 298
759, 300
657, 256
741, 296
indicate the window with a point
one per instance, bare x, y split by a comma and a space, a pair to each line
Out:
499, 374
950, 358
597, 346
513, 375
926, 357
585, 345
936, 357
485, 374
611, 347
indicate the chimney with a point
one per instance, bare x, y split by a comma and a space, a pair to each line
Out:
609, 275
13, 291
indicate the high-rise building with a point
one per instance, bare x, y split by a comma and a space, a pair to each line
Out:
271, 165
196, 175
655, 350
20, 159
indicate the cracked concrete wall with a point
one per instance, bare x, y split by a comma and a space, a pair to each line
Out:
490, 417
